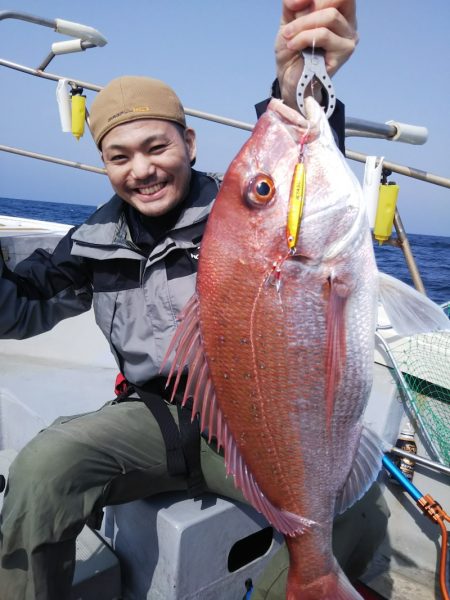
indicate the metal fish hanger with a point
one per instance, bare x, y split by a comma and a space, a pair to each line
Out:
314, 70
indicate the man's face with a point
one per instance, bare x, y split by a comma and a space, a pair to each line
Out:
148, 163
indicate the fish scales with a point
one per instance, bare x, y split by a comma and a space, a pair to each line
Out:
288, 340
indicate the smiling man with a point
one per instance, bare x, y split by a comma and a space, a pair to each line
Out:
147, 161
135, 261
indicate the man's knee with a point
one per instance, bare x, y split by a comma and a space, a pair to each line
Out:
44, 462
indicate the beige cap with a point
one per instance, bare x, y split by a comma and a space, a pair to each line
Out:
130, 98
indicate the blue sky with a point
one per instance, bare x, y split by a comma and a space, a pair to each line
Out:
219, 58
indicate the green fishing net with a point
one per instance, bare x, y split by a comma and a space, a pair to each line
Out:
424, 361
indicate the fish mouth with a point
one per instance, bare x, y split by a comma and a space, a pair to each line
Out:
301, 129
302, 258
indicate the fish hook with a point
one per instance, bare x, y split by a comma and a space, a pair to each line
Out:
274, 275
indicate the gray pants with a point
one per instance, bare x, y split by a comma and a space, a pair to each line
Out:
69, 472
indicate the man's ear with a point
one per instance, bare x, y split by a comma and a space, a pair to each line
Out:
189, 138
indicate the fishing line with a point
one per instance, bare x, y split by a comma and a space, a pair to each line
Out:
314, 79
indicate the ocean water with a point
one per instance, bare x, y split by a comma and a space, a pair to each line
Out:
432, 253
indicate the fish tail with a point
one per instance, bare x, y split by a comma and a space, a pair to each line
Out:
332, 586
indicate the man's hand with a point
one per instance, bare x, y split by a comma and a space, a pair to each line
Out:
326, 24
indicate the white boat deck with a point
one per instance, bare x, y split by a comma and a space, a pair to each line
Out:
19, 225
66, 371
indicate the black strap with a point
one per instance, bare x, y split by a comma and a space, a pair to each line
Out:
176, 464
183, 443
191, 444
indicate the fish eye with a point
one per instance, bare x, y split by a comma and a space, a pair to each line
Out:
260, 190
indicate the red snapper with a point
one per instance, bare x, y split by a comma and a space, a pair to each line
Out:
279, 339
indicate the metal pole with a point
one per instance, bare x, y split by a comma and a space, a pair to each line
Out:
408, 171
358, 127
11, 14
53, 159
51, 76
407, 253
421, 460
353, 126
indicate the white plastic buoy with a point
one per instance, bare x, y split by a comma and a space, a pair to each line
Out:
371, 185
64, 105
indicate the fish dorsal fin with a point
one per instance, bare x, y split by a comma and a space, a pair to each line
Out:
365, 469
409, 311
188, 347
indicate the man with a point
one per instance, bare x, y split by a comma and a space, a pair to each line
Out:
135, 261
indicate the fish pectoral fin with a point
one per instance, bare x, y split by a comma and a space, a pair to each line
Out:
335, 343
409, 311
366, 466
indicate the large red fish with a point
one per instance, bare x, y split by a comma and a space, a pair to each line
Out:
279, 339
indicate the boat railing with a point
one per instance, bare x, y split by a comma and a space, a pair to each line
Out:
84, 36
88, 37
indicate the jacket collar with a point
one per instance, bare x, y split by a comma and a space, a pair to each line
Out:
108, 226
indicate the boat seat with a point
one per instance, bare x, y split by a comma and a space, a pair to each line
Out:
171, 547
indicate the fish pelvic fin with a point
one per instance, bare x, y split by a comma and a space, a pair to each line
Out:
332, 586
284, 521
335, 344
409, 311
366, 466
188, 348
